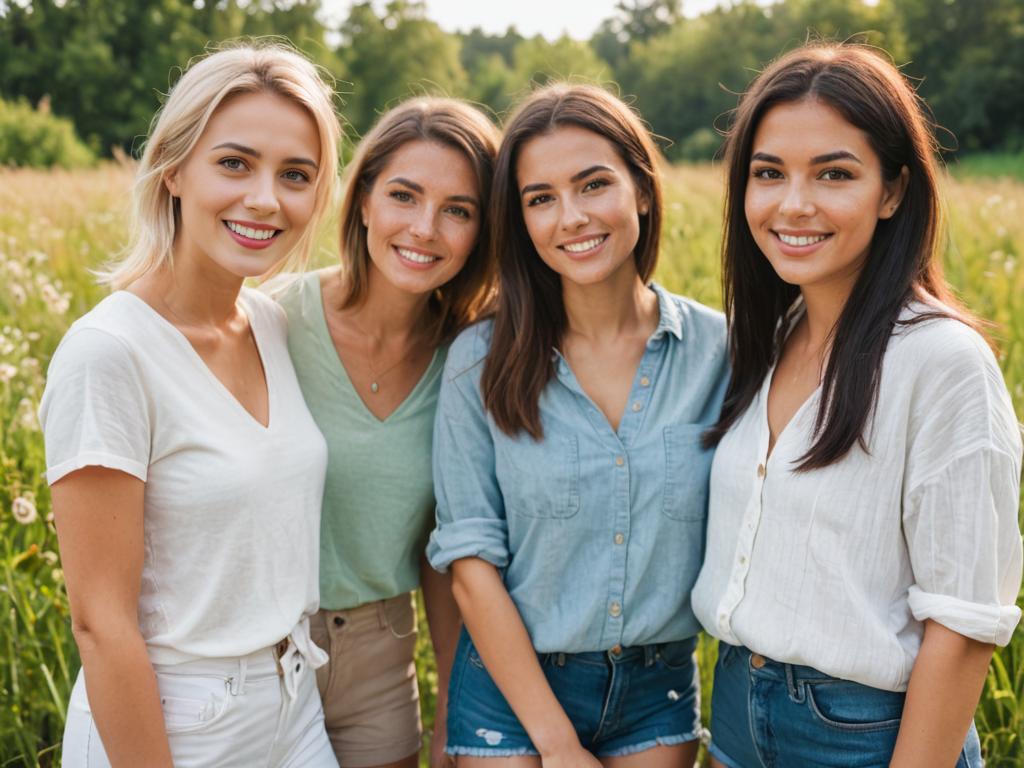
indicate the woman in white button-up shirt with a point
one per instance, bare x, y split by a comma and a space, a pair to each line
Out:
863, 552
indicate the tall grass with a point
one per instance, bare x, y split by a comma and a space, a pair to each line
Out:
55, 225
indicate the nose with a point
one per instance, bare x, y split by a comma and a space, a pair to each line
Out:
424, 224
261, 197
573, 215
797, 200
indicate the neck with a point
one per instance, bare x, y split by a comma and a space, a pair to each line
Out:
387, 311
604, 311
824, 305
195, 294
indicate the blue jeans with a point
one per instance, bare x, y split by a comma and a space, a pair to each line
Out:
765, 714
621, 701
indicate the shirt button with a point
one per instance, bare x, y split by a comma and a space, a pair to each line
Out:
619, 461
636, 407
615, 609
619, 538
760, 470
743, 560
645, 382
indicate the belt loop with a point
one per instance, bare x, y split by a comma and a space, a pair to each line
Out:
651, 654
238, 682
561, 659
382, 614
796, 689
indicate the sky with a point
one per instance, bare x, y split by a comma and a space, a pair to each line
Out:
551, 18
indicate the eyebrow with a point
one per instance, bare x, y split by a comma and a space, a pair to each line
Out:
418, 188
829, 157
255, 153
576, 177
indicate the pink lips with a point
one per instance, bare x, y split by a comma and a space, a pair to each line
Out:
800, 250
249, 242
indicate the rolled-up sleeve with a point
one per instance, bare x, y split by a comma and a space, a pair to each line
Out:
470, 511
962, 499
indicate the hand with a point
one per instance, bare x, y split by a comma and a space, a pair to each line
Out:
574, 757
438, 757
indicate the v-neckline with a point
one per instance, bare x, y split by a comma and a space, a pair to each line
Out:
208, 372
313, 284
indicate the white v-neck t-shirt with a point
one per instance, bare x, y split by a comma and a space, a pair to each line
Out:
232, 508
837, 568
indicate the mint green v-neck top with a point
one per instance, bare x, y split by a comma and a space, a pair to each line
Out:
378, 507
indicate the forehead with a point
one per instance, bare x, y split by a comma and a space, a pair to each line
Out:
266, 122
808, 128
563, 152
430, 163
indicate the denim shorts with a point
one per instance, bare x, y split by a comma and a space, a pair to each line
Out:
765, 714
621, 701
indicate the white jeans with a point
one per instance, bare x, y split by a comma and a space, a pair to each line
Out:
226, 712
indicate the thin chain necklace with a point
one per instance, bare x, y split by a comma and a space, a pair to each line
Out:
375, 376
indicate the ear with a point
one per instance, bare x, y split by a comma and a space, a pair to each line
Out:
894, 192
363, 214
643, 205
172, 182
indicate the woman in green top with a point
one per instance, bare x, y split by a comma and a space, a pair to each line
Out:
368, 338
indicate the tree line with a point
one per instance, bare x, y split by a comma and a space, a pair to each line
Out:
104, 64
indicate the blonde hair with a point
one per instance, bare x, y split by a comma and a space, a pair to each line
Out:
450, 123
252, 67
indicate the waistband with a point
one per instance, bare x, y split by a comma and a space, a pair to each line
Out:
279, 660
630, 654
770, 668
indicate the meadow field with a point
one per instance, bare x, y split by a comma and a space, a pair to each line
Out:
56, 225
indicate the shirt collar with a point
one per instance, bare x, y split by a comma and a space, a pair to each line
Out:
670, 315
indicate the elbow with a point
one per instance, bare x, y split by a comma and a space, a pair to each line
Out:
99, 635
467, 576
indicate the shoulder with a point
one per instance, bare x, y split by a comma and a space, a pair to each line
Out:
938, 346
694, 321
110, 329
259, 305
469, 348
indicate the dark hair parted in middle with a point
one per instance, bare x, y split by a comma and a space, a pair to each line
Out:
450, 123
530, 320
902, 262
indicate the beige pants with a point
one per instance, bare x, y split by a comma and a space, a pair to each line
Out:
370, 698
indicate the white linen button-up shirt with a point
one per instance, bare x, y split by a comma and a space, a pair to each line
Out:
837, 568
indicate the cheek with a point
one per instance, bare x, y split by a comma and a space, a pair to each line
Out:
300, 206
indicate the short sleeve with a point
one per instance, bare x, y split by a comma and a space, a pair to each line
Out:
94, 410
470, 511
962, 492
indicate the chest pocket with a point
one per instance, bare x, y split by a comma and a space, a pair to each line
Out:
687, 473
543, 477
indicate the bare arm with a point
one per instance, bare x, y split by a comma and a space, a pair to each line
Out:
98, 513
505, 648
944, 689
444, 620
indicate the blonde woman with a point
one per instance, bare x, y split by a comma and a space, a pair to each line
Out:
185, 469
369, 339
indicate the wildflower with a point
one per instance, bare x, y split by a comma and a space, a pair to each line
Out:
17, 293
26, 415
24, 510
7, 372
57, 302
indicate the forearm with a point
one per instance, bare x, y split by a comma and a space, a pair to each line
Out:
443, 618
504, 645
124, 697
944, 689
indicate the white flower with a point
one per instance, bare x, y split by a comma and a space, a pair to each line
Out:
24, 510
7, 372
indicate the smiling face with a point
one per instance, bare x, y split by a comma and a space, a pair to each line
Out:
580, 204
247, 189
422, 216
815, 195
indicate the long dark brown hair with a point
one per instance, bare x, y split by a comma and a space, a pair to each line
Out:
450, 123
530, 319
903, 257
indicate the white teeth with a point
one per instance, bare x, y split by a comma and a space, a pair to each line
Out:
586, 245
252, 234
419, 258
791, 240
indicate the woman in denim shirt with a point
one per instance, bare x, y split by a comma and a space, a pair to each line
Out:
570, 477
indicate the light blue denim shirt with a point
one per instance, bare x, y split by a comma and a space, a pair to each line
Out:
599, 534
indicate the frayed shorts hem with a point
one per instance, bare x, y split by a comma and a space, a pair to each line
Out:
484, 752
643, 746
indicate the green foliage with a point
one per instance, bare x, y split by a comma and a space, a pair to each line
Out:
37, 139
